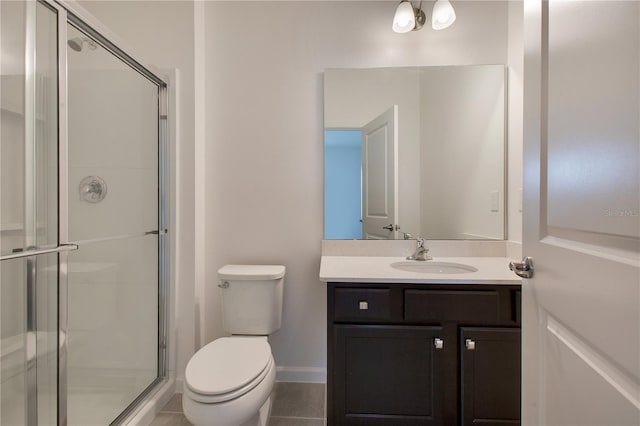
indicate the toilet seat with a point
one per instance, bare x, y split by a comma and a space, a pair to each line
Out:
212, 399
227, 368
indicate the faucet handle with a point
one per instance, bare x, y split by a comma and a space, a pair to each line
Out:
420, 242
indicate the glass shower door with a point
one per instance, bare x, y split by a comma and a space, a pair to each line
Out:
29, 247
82, 239
114, 187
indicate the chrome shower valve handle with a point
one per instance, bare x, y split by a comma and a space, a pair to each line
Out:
93, 189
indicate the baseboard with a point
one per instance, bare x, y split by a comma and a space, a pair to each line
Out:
301, 374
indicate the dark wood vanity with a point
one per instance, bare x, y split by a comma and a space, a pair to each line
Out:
423, 354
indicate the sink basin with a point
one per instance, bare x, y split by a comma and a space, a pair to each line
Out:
428, 267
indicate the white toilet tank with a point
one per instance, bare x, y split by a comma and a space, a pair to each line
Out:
251, 298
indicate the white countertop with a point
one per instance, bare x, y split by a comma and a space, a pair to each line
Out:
376, 269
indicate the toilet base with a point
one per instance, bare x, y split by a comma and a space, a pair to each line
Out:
262, 416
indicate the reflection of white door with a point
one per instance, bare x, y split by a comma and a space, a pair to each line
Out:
581, 309
380, 176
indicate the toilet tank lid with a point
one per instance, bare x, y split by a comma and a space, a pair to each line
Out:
251, 272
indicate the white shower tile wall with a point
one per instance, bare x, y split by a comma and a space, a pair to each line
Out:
118, 144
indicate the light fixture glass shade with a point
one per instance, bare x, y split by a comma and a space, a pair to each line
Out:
443, 15
404, 20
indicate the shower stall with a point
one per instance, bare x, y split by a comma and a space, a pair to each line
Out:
83, 300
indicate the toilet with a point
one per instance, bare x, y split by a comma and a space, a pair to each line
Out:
228, 381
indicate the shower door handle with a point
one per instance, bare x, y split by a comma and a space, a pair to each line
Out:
28, 252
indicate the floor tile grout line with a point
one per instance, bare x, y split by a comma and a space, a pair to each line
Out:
295, 417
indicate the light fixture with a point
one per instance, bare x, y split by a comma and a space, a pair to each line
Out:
408, 18
443, 15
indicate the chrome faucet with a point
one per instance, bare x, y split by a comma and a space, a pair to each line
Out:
422, 252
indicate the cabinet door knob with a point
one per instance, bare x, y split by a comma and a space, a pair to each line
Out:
470, 344
438, 343
363, 305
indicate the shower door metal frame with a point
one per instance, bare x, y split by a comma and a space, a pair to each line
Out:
71, 13
63, 214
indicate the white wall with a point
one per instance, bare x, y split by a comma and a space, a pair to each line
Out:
264, 64
462, 157
515, 103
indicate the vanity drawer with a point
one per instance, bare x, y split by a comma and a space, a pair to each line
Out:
358, 304
452, 305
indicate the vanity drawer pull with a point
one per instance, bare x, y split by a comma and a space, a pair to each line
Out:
438, 343
470, 344
362, 304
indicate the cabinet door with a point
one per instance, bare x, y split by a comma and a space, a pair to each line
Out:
490, 376
389, 375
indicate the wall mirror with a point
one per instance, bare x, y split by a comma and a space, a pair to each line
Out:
416, 150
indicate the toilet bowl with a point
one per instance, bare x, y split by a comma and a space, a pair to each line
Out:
228, 382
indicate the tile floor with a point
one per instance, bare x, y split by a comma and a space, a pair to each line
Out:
294, 404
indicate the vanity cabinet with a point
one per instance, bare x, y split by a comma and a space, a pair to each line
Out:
490, 376
387, 374
423, 354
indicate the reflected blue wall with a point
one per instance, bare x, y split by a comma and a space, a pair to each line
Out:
342, 183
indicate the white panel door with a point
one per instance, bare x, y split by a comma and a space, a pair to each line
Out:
380, 176
581, 308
